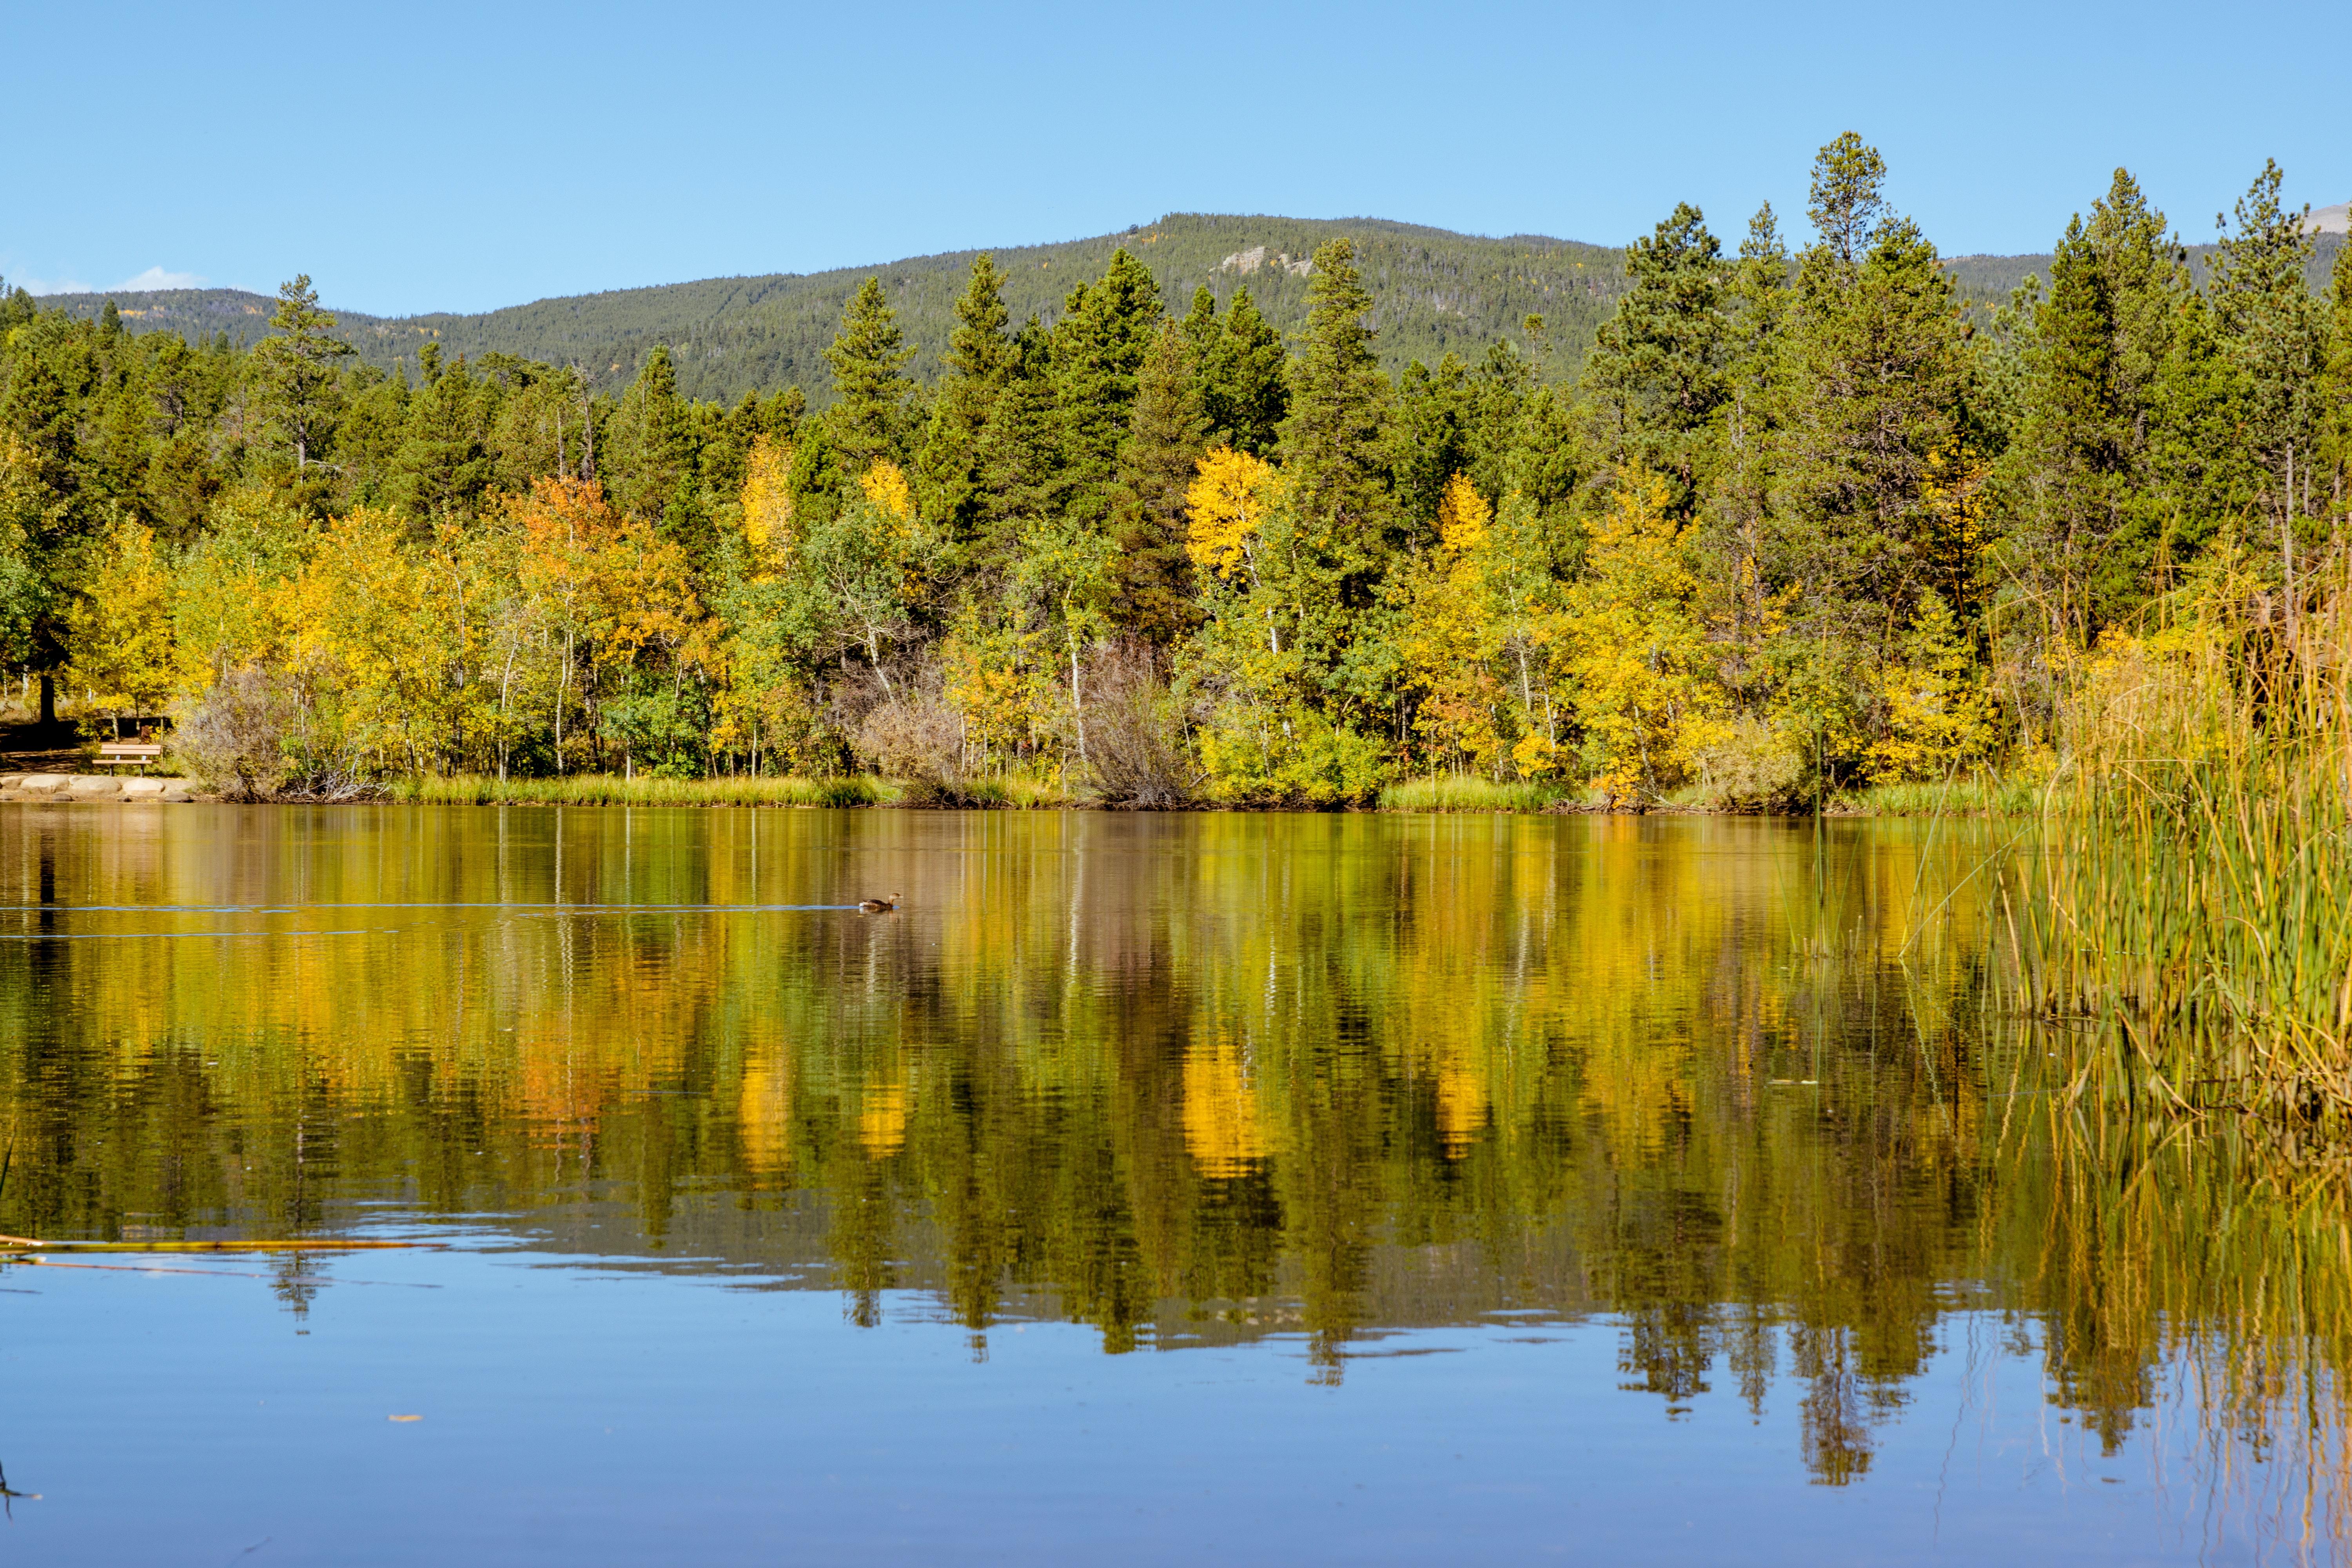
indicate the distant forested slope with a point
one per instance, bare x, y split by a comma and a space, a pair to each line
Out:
1433, 291
1987, 280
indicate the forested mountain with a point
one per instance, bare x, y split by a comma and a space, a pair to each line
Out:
1986, 282
1432, 290
1749, 520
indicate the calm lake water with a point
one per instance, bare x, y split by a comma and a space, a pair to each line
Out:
1217, 1187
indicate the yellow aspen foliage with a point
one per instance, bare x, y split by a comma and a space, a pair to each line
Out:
609, 579
1939, 715
1229, 500
996, 679
1463, 516
767, 500
121, 629
1643, 684
884, 484
1454, 633
227, 609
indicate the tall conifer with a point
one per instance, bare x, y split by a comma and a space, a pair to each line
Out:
978, 358
1658, 364
1099, 346
868, 418
1166, 436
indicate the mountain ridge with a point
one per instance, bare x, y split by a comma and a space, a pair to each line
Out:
1434, 291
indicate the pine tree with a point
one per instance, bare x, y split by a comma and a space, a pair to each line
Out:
1657, 366
1099, 346
1431, 439
442, 462
1336, 471
1496, 408
1245, 385
1864, 512
2085, 523
1201, 328
1022, 476
2277, 335
1756, 300
2335, 435
1158, 462
978, 358
296, 368
867, 421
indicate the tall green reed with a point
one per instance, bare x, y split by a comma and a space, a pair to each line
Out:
2187, 908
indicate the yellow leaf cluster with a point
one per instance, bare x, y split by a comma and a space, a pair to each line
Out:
884, 484
121, 627
1228, 501
767, 501
1643, 686
1463, 516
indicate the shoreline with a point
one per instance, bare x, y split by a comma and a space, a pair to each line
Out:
873, 793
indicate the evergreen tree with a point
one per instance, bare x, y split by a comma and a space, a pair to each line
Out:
2335, 435
978, 358
1757, 299
1497, 406
1022, 476
1864, 510
296, 369
867, 421
1657, 366
1099, 346
1157, 463
1335, 455
2078, 481
2277, 335
1245, 382
1431, 437
1201, 328
443, 461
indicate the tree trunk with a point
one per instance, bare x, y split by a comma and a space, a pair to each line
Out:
49, 698
1077, 702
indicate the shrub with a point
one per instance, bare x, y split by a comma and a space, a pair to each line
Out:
1136, 751
235, 736
918, 738
1751, 766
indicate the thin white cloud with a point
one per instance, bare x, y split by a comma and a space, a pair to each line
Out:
50, 285
156, 278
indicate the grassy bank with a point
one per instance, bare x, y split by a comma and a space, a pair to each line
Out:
612, 789
1445, 793
1980, 795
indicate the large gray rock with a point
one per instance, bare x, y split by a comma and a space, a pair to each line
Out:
148, 788
44, 783
93, 784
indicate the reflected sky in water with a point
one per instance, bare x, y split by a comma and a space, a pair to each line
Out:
1268, 1186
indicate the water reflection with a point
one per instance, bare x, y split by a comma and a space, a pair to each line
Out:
1740, 1085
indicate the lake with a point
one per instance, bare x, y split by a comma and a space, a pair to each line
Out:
1171, 1188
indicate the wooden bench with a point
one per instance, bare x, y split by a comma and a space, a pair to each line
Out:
124, 753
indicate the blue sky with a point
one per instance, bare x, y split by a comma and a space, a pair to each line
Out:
448, 156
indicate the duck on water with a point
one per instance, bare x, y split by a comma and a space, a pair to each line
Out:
880, 906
